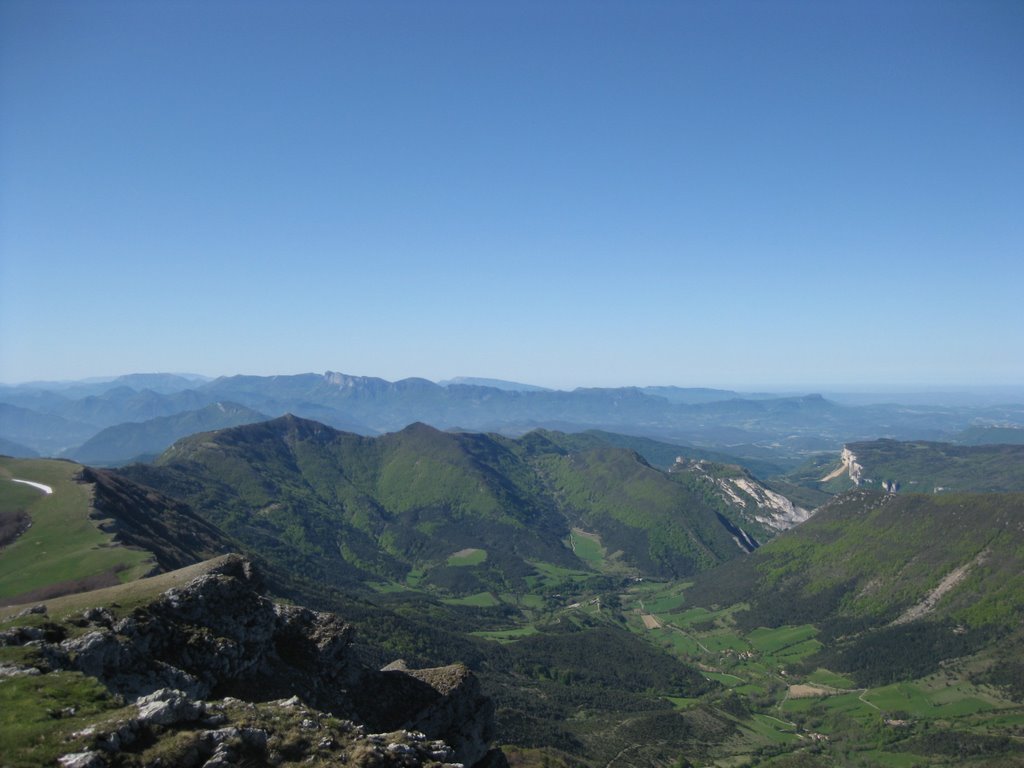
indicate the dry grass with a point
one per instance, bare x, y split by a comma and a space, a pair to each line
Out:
125, 595
651, 621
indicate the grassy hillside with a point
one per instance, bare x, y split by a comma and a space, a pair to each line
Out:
120, 599
885, 631
887, 571
658, 525
663, 455
93, 530
59, 544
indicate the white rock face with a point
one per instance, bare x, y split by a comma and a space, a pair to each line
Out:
849, 466
770, 509
855, 469
773, 509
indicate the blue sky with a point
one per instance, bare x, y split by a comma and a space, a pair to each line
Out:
738, 194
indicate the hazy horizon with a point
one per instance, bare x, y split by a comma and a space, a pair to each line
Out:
988, 393
738, 195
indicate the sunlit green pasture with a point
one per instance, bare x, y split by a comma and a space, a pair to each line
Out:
507, 635
723, 640
535, 602
772, 728
681, 645
62, 544
468, 557
587, 547
918, 701
831, 679
726, 679
846, 704
772, 641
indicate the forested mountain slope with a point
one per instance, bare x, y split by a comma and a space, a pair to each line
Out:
349, 508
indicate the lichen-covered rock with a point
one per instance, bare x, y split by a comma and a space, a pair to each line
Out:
216, 630
168, 707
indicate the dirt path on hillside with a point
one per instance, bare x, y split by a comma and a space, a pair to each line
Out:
806, 691
948, 582
834, 474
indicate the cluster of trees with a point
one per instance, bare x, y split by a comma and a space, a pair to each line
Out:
903, 652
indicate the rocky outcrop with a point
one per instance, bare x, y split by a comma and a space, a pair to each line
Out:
213, 634
168, 729
751, 500
443, 701
771, 509
220, 636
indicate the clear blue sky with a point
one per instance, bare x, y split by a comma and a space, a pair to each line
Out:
742, 194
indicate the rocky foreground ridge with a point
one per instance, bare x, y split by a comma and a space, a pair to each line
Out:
213, 673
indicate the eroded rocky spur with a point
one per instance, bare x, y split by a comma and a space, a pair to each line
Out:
214, 673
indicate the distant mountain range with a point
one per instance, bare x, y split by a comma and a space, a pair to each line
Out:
509, 386
144, 440
68, 419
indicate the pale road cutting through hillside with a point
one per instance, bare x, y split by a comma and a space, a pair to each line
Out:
952, 579
834, 473
44, 488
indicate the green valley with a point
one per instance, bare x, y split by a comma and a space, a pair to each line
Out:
616, 613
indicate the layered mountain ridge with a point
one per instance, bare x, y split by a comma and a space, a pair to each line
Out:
60, 419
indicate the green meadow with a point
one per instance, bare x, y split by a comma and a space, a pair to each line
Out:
587, 547
62, 544
468, 557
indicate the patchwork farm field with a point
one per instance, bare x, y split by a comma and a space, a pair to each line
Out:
796, 704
